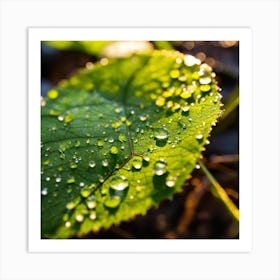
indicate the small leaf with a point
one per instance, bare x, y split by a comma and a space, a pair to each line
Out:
117, 150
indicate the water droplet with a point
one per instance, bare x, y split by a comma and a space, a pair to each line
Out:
48, 179
205, 88
105, 163
100, 178
171, 181
205, 80
185, 108
100, 143
91, 204
71, 180
111, 140
197, 166
58, 179
85, 192
161, 133
114, 150
137, 162
159, 167
199, 136
44, 191
143, 118
73, 165
191, 60
122, 137
113, 201
174, 73
119, 183
160, 101
71, 205
146, 158
46, 162
82, 184
68, 118
92, 164
77, 143
116, 125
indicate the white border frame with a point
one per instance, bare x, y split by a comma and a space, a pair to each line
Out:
263, 17
243, 35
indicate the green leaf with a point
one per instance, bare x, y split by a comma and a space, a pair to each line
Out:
120, 137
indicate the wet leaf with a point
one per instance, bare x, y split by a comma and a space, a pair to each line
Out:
120, 137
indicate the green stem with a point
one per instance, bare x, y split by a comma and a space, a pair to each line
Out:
231, 103
218, 191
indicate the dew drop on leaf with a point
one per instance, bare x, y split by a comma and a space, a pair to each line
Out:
92, 164
73, 165
185, 108
91, 204
58, 179
114, 150
44, 191
100, 143
77, 143
146, 158
71, 180
71, 205
85, 192
113, 202
199, 136
205, 80
159, 167
137, 162
205, 88
68, 118
161, 133
170, 181
119, 183
105, 163
160, 101
122, 137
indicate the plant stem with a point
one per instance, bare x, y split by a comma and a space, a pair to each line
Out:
231, 104
219, 192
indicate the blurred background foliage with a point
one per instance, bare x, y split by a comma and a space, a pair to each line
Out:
193, 213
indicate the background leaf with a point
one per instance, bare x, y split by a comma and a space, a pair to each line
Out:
120, 137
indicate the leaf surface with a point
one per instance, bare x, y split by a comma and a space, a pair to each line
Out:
120, 137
